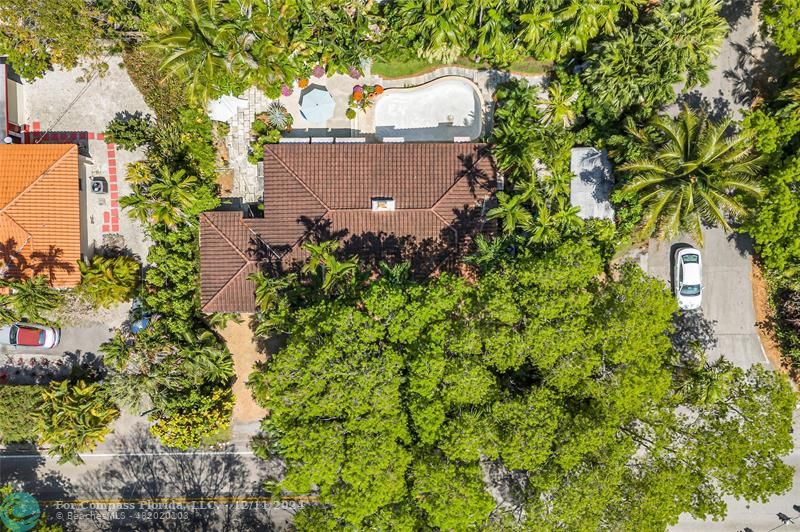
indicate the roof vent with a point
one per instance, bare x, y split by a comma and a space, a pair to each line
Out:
382, 204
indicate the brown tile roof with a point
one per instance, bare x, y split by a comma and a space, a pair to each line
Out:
326, 190
40, 212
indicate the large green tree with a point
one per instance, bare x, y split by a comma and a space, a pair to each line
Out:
694, 172
673, 43
500, 31
36, 35
223, 47
394, 399
781, 20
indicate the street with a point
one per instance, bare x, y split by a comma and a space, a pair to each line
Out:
131, 482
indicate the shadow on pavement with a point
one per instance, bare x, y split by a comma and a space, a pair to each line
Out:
743, 243
759, 68
199, 482
693, 335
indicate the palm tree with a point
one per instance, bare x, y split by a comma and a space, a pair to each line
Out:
566, 217
511, 211
440, 30
690, 175
269, 289
397, 274
116, 352
543, 229
32, 298
330, 270
208, 365
558, 106
193, 49
73, 418
166, 200
488, 252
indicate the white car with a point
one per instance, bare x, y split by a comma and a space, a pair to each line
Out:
30, 335
688, 278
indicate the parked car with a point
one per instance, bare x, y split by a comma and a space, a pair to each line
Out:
688, 278
30, 335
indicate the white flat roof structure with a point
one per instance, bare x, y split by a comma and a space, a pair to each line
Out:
592, 183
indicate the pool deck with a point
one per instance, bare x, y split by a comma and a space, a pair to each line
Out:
247, 184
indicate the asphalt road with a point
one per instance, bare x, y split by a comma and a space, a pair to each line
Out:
131, 482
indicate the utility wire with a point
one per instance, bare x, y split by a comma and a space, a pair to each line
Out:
71, 104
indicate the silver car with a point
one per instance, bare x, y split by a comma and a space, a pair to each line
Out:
688, 278
29, 335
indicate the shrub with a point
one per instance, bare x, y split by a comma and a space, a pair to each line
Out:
74, 418
18, 406
109, 280
276, 116
164, 95
129, 131
195, 419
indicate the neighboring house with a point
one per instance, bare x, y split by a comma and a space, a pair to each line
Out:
11, 104
593, 182
416, 202
40, 231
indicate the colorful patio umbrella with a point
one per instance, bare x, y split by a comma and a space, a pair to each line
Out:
317, 105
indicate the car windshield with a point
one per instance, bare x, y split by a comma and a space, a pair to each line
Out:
691, 258
690, 290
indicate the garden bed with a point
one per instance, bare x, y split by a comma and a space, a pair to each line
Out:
765, 324
415, 67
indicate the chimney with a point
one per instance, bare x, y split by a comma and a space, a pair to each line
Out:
382, 204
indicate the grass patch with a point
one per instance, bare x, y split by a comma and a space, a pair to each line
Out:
404, 68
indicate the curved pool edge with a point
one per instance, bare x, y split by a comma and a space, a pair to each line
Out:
481, 103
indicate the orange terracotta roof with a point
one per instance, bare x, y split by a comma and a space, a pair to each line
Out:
40, 212
326, 191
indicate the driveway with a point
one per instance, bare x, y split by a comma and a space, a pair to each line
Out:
727, 312
83, 338
67, 106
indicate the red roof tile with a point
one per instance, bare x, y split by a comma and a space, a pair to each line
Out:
327, 190
40, 212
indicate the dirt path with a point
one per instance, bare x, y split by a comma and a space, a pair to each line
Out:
239, 339
764, 316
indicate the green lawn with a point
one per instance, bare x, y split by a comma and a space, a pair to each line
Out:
413, 67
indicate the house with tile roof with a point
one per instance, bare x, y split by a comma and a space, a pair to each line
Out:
393, 202
40, 227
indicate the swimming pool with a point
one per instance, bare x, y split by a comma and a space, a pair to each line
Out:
441, 110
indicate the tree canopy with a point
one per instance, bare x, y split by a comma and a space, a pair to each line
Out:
396, 400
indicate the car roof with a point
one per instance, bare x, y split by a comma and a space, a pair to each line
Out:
692, 271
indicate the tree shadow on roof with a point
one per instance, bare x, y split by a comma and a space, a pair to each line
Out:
50, 263
13, 264
477, 177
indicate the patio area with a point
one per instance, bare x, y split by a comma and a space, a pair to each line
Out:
451, 104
